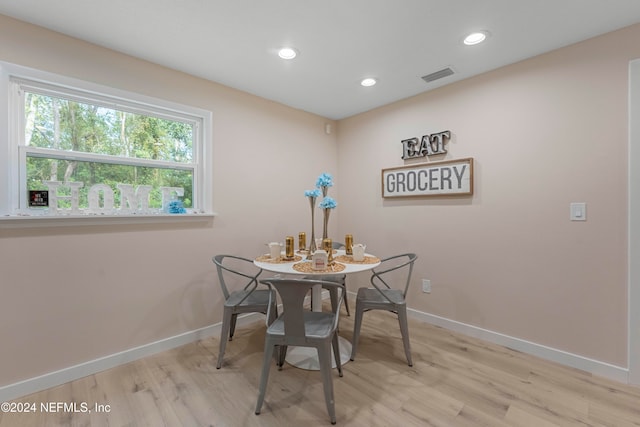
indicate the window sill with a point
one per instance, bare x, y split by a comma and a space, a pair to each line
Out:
21, 221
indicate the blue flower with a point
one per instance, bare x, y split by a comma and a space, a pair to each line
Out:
324, 180
175, 207
312, 193
328, 203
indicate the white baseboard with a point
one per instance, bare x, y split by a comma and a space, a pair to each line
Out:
52, 379
594, 367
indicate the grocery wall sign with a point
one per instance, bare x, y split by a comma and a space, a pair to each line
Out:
453, 177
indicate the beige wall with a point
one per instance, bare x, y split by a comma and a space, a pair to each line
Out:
543, 133
74, 294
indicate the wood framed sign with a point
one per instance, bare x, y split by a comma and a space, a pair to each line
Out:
452, 177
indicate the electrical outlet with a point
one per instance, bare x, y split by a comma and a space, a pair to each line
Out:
426, 286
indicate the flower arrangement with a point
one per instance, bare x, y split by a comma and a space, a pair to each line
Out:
325, 180
323, 183
312, 193
328, 203
175, 207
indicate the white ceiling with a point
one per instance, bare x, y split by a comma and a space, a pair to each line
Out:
234, 42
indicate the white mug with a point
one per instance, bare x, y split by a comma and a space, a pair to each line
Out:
275, 249
358, 251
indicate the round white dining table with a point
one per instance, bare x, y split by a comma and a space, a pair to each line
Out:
303, 357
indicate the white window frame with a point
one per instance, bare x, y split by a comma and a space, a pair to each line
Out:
13, 151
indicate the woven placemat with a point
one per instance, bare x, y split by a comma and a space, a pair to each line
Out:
349, 259
307, 267
281, 260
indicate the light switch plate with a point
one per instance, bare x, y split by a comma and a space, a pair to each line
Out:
578, 211
426, 286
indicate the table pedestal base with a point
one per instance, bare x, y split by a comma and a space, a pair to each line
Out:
307, 357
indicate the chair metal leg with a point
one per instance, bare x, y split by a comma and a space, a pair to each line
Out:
273, 314
356, 330
335, 342
224, 335
333, 296
404, 330
282, 355
324, 359
232, 330
346, 301
269, 348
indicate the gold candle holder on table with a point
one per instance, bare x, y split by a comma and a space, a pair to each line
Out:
348, 244
327, 245
302, 241
288, 247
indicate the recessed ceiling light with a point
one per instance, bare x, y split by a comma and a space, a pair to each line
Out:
287, 53
368, 82
475, 38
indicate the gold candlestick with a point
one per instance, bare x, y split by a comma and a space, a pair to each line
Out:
348, 244
288, 247
302, 241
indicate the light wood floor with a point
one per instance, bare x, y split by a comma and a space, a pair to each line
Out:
455, 381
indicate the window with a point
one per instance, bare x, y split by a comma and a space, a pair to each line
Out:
73, 150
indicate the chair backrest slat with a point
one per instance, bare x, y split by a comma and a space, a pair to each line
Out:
292, 295
249, 281
378, 276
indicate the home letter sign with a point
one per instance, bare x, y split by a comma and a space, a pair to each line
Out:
132, 200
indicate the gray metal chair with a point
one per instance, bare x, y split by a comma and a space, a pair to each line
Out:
384, 297
303, 328
242, 274
337, 278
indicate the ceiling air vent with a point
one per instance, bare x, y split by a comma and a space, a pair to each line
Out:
437, 75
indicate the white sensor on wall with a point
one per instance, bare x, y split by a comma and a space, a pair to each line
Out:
578, 211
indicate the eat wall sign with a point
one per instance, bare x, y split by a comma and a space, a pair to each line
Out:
429, 145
